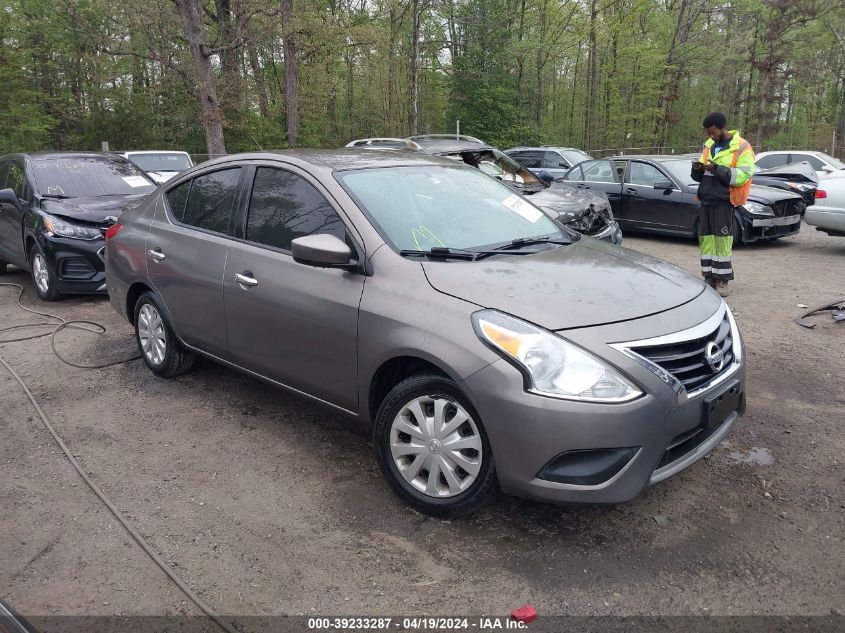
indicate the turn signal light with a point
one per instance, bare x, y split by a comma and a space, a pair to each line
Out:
113, 230
821, 193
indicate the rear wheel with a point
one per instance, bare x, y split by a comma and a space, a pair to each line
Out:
43, 276
736, 231
159, 347
432, 447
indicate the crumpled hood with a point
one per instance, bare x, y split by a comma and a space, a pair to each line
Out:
585, 284
94, 210
795, 172
566, 200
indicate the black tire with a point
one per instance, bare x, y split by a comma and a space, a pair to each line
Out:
482, 491
3, 267
49, 293
175, 359
736, 231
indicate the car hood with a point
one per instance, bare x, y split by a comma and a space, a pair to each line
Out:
94, 210
588, 283
796, 172
566, 200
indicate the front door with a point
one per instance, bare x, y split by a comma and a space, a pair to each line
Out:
11, 215
186, 255
647, 208
292, 323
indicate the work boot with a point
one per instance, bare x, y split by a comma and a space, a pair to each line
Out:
722, 288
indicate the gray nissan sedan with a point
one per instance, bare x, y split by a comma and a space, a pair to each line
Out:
485, 346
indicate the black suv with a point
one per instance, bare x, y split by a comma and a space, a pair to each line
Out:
54, 211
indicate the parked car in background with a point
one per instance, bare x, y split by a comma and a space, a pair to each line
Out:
586, 212
54, 210
656, 194
824, 164
555, 160
384, 143
828, 212
160, 165
799, 178
485, 345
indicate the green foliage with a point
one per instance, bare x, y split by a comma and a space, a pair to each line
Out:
79, 72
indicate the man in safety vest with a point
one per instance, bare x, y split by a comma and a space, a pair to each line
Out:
724, 173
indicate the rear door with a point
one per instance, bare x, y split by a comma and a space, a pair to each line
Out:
186, 255
598, 175
11, 216
295, 324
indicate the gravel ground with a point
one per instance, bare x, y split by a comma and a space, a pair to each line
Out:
267, 504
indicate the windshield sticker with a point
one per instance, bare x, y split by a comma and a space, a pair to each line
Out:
135, 181
521, 207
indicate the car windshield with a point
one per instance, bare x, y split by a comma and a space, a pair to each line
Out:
418, 208
575, 156
680, 170
834, 162
164, 161
499, 165
88, 177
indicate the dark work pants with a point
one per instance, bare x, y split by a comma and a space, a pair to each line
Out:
715, 241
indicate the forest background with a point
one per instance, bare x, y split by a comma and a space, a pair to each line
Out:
217, 76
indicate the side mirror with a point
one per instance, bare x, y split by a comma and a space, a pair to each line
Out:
563, 164
321, 251
828, 169
9, 196
664, 184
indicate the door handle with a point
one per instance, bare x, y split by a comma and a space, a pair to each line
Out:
631, 190
246, 279
156, 254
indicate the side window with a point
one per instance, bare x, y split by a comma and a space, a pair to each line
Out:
554, 160
772, 160
599, 171
4, 169
17, 180
644, 174
176, 199
530, 160
574, 174
284, 206
210, 203
817, 163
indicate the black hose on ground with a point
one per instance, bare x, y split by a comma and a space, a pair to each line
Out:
99, 329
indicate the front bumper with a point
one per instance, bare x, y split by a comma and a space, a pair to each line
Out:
756, 228
826, 218
77, 264
657, 435
611, 233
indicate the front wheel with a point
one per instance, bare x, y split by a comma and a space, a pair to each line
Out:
432, 448
43, 277
159, 347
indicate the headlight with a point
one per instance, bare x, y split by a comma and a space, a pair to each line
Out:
758, 209
66, 229
554, 367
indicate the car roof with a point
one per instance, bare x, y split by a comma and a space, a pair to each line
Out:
153, 151
56, 155
790, 151
335, 159
549, 147
652, 157
451, 146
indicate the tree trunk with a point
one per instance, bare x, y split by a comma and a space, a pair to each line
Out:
291, 73
414, 105
190, 12
592, 80
392, 121
260, 82
231, 83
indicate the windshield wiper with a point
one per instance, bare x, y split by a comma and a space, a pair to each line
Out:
528, 241
56, 196
445, 252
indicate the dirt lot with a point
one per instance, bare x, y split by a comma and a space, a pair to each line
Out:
266, 504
